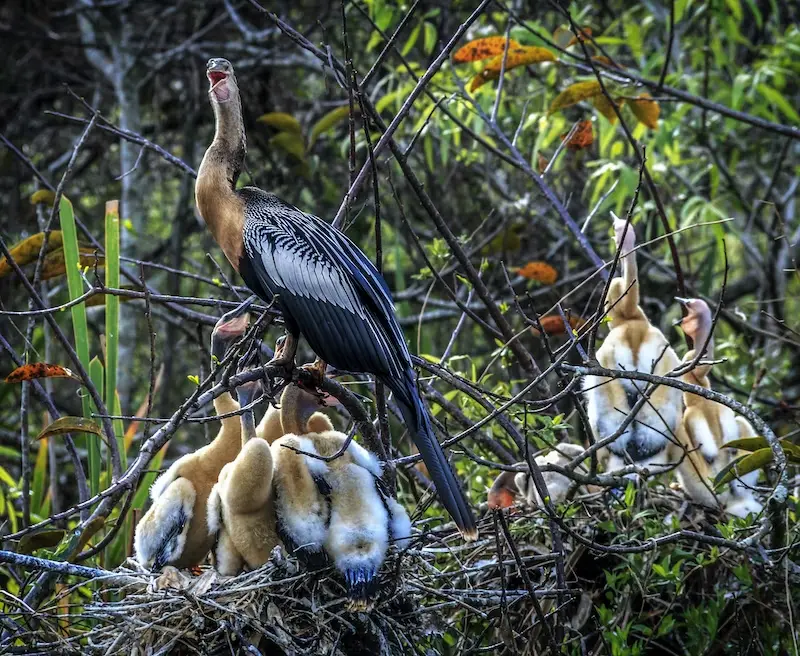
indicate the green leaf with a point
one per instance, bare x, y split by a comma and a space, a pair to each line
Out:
744, 465
430, 38
329, 121
411, 41
93, 441
776, 98
290, 142
112, 321
38, 487
46, 539
281, 121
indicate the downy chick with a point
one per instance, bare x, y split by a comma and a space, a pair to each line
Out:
707, 426
633, 344
241, 509
174, 530
510, 485
334, 509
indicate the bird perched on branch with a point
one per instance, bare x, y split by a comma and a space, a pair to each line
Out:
707, 426
241, 509
332, 509
633, 344
325, 286
174, 531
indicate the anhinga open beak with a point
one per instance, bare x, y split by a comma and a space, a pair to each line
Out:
682, 301
218, 72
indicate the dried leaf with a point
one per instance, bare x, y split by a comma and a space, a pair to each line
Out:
646, 110
581, 138
330, 120
39, 370
520, 56
71, 425
484, 48
43, 196
27, 251
539, 271
574, 93
281, 121
542, 164
583, 34
606, 108
291, 143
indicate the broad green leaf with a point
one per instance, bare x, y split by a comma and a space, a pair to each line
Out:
329, 121
45, 539
281, 121
430, 38
291, 143
744, 465
412, 40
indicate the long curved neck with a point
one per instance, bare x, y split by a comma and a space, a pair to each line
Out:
215, 191
248, 426
630, 276
229, 438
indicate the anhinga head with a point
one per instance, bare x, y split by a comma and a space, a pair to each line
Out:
624, 238
223, 87
231, 326
504, 491
697, 322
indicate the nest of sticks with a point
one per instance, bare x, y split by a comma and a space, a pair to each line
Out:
497, 589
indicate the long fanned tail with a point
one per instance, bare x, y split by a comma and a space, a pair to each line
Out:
445, 481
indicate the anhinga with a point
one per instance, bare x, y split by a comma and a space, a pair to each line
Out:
707, 426
325, 286
241, 510
174, 531
510, 485
633, 344
332, 509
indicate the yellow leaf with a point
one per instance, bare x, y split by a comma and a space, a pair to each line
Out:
281, 121
604, 106
54, 264
71, 425
483, 49
574, 93
482, 78
520, 56
646, 110
27, 251
43, 196
329, 121
291, 143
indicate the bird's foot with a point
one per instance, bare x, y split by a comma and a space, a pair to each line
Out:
285, 349
317, 370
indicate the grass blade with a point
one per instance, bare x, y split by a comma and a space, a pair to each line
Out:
112, 321
93, 441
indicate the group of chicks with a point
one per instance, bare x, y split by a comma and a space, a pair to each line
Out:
652, 430
255, 487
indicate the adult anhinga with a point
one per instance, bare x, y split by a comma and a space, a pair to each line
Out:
325, 286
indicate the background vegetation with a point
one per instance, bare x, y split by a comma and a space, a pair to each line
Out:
490, 215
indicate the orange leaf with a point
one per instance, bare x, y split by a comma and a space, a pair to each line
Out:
539, 271
646, 110
39, 370
583, 34
581, 138
574, 93
606, 108
483, 49
553, 324
520, 56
